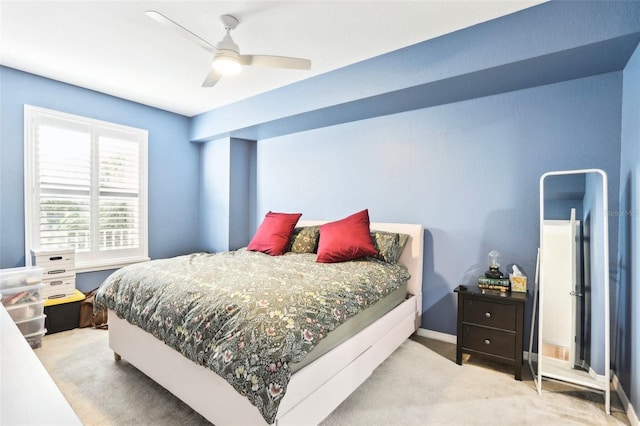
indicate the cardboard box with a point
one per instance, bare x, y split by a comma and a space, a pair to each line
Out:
64, 313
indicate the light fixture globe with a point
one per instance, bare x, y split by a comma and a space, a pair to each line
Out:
494, 266
494, 257
227, 62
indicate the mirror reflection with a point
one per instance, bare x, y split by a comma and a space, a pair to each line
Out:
573, 341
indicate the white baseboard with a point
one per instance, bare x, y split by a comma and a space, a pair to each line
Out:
626, 404
436, 335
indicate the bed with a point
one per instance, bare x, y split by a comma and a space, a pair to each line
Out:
315, 388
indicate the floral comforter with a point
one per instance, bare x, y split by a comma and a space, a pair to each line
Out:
246, 315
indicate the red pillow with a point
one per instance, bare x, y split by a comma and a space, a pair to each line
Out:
272, 237
346, 239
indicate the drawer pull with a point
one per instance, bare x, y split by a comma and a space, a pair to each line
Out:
487, 314
57, 271
55, 258
56, 282
487, 341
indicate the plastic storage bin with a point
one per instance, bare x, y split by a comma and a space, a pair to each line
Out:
18, 295
25, 311
63, 314
35, 339
19, 277
30, 326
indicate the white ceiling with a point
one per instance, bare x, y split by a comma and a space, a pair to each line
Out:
114, 48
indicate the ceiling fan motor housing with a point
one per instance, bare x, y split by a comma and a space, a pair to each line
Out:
227, 54
227, 43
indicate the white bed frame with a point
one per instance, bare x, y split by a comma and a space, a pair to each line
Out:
314, 391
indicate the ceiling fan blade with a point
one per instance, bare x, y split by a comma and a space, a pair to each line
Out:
276, 62
168, 23
212, 78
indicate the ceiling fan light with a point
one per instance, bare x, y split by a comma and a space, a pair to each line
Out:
226, 64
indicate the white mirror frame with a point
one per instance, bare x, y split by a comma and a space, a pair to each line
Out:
593, 383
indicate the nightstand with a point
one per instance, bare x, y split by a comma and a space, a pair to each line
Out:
491, 324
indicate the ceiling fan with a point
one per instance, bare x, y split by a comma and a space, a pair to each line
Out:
227, 59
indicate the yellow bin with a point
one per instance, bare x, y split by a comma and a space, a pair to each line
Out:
63, 313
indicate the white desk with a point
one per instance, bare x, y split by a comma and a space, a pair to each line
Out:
28, 395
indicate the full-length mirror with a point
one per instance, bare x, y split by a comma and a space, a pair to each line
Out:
573, 332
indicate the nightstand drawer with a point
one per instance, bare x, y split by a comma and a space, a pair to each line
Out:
490, 314
489, 341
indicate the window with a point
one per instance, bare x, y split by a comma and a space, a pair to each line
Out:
85, 188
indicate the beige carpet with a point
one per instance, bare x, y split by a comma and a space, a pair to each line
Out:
420, 384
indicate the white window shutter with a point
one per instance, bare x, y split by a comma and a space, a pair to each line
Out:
85, 188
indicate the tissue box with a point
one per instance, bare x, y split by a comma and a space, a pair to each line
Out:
518, 283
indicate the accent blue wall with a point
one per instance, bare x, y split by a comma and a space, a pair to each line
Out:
227, 203
215, 167
625, 298
468, 172
173, 164
242, 192
593, 201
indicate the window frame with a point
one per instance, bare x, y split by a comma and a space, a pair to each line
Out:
98, 128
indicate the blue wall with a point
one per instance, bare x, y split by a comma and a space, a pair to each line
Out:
626, 297
593, 202
215, 167
173, 164
467, 171
227, 203
242, 192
